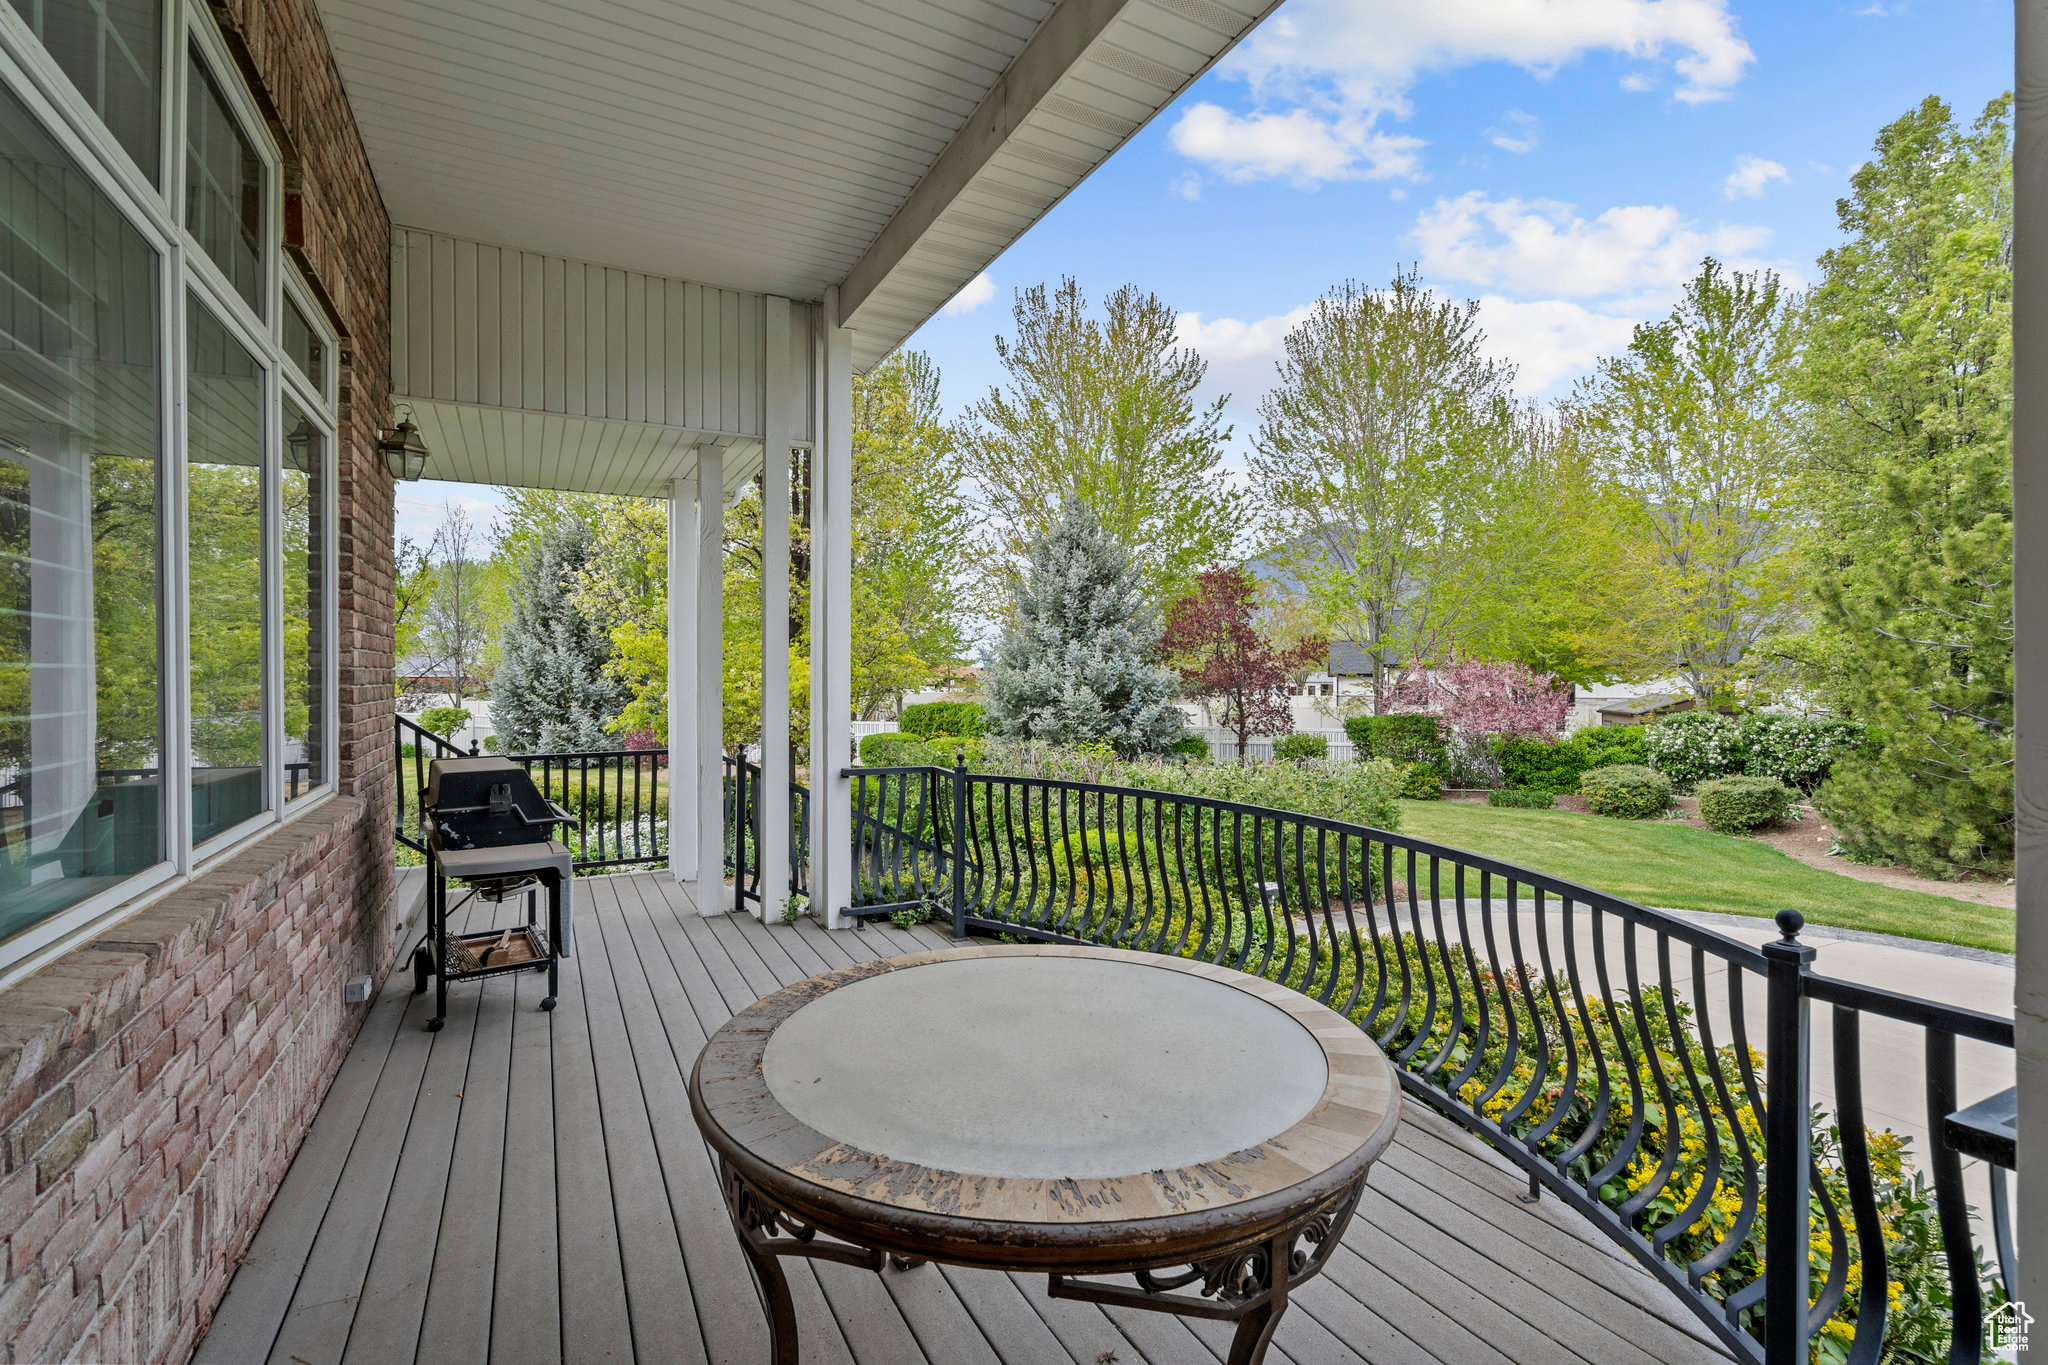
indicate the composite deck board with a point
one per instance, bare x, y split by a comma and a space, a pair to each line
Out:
525, 1188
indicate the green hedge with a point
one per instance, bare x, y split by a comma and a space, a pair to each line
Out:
1521, 798
1539, 763
1301, 747
1190, 746
1733, 805
943, 718
1627, 791
1603, 745
1403, 738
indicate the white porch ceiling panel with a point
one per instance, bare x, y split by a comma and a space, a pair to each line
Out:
894, 147
542, 371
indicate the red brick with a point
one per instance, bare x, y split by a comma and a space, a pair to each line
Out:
25, 1244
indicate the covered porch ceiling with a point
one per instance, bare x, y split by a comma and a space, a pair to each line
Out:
890, 148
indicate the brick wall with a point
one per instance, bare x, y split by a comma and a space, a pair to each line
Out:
155, 1084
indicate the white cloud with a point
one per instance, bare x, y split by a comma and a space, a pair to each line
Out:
1299, 146
1750, 176
972, 295
1518, 133
1541, 248
1550, 341
1374, 50
1324, 72
1638, 81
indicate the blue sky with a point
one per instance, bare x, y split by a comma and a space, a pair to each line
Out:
1566, 162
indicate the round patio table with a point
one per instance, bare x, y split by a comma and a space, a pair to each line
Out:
1082, 1111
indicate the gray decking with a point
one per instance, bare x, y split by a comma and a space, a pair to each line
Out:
526, 1187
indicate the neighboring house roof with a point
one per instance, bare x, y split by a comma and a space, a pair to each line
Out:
1347, 660
1646, 706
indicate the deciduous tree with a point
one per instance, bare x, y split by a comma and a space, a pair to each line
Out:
1377, 462
1102, 411
1213, 640
1695, 425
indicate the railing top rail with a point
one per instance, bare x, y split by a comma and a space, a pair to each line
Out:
1709, 940
1911, 1009
587, 753
444, 745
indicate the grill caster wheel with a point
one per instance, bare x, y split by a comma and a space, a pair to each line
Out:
422, 968
434, 1024
548, 1003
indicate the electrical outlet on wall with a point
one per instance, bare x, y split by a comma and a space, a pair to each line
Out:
356, 991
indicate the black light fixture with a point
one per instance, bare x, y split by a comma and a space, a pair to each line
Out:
405, 454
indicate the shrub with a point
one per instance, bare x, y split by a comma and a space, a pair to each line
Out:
942, 718
1602, 745
877, 751
1694, 747
1422, 782
1521, 798
1192, 747
443, 720
1799, 751
1737, 803
894, 749
1627, 791
1539, 763
1403, 738
1359, 793
1299, 747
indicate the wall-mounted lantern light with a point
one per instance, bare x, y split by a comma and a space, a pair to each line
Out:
405, 454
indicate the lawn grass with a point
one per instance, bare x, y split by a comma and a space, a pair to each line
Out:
1665, 864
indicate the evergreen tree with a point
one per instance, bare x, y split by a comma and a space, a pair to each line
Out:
1908, 378
552, 694
1076, 663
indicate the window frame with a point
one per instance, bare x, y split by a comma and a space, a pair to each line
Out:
186, 274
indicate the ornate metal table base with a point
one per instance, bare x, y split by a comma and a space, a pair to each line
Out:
1239, 1282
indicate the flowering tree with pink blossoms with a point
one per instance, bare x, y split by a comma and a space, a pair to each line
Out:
1475, 698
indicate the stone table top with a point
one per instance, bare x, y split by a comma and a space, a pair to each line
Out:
1047, 1084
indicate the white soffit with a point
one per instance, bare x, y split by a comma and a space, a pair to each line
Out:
770, 146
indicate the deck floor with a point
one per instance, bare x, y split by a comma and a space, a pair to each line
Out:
528, 1187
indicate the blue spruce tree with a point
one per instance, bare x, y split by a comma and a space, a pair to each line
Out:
551, 693
1077, 664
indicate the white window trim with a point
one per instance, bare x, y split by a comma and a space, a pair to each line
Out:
155, 208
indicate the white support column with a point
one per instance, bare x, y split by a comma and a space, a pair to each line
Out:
682, 677
773, 798
832, 624
712, 897
2030, 652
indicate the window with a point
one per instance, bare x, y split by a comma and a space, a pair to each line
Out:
154, 573
224, 573
303, 345
111, 50
223, 185
304, 499
81, 752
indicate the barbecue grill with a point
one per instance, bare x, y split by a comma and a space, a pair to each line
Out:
487, 827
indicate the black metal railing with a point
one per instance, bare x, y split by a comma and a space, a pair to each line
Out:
743, 831
620, 796
1649, 1071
